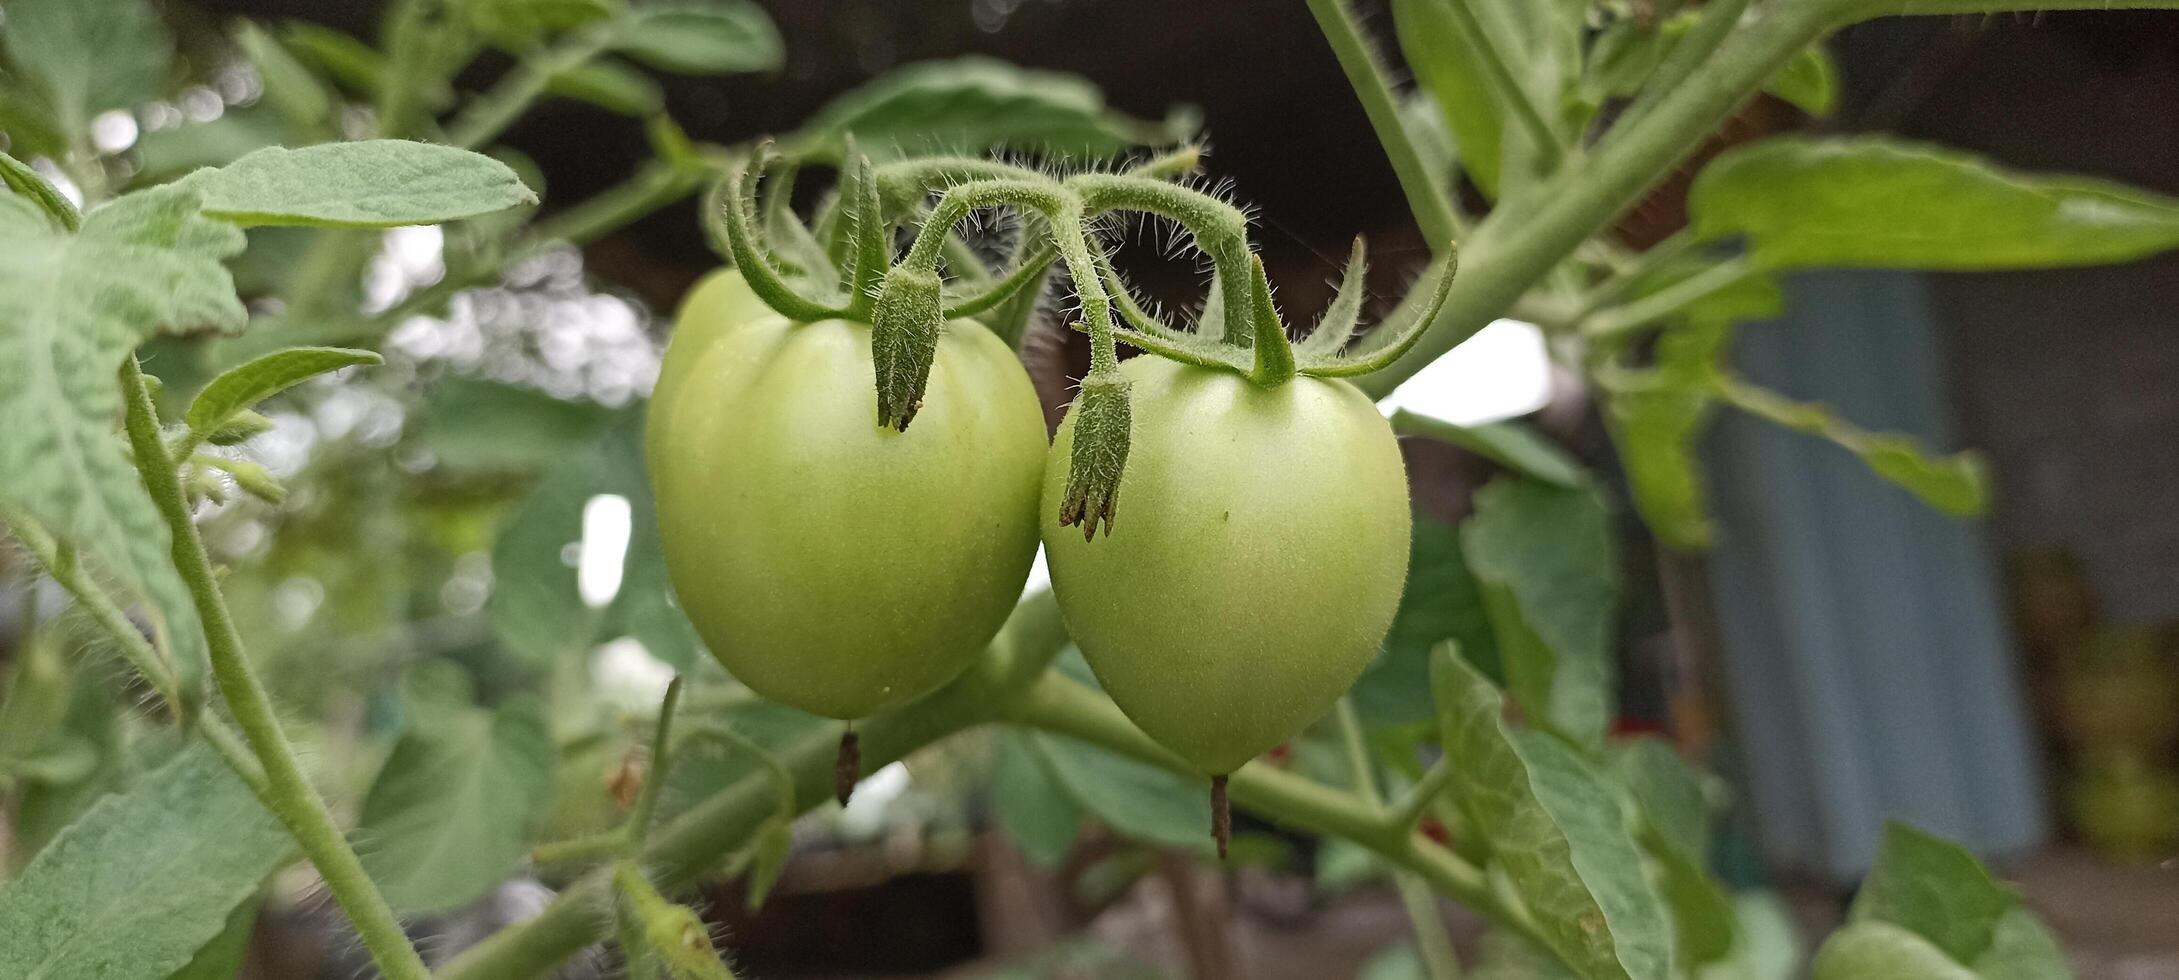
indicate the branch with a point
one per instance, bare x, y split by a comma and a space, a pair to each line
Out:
1522, 241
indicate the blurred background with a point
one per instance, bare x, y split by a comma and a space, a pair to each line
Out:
1844, 655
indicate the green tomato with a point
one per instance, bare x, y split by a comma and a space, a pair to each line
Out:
716, 300
830, 564
1254, 564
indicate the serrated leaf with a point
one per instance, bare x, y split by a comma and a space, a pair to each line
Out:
88, 55
1543, 556
364, 184
970, 105
144, 879
245, 385
1879, 203
717, 37
73, 307
1935, 889
2022, 948
452, 809
1030, 803
1554, 830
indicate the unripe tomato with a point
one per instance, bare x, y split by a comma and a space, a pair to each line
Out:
1254, 563
833, 565
716, 300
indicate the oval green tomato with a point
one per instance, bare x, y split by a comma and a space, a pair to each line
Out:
830, 564
1253, 566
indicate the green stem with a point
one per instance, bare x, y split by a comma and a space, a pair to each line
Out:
1623, 280
288, 792
128, 640
1521, 241
1417, 802
1432, 942
491, 114
1618, 322
1426, 196
654, 781
1693, 48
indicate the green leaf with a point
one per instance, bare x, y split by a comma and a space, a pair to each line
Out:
717, 37
1030, 803
1543, 555
1766, 942
144, 879
221, 959
1957, 484
1137, 800
1449, 67
1935, 889
2022, 949
1810, 81
1703, 917
244, 386
1441, 601
1667, 789
1656, 432
355, 65
1882, 951
22, 180
1512, 445
970, 105
74, 306
472, 424
366, 184
610, 85
88, 55
452, 809
1554, 830
1877, 203
775, 842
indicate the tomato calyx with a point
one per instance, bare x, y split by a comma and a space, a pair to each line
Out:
904, 329
1103, 427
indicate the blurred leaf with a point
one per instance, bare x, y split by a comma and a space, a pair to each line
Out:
1766, 942
1447, 65
1137, 800
1935, 889
88, 55
44, 808
1657, 424
610, 85
1957, 484
971, 105
290, 87
357, 66
1703, 917
702, 37
1399, 961
1667, 788
1030, 803
244, 386
1555, 832
775, 841
453, 808
516, 24
221, 959
1810, 81
1882, 951
1878, 203
472, 424
1440, 602
144, 879
1543, 556
2022, 949
34, 705
1509, 444
706, 769
363, 184
75, 306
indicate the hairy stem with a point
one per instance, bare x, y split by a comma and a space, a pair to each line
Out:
288, 792
1426, 194
103, 610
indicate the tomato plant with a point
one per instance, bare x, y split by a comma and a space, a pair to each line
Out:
828, 507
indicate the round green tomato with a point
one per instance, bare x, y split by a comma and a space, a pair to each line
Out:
833, 565
1254, 564
716, 300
